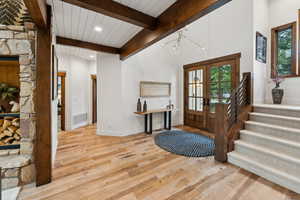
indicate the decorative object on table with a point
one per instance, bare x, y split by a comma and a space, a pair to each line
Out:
139, 106
155, 89
15, 107
185, 143
170, 106
277, 93
261, 48
145, 106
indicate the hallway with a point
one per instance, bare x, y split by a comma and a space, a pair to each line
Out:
134, 168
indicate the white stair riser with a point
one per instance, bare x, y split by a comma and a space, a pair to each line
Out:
286, 134
271, 144
273, 177
275, 121
286, 166
282, 112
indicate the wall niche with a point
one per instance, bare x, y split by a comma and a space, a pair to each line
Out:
10, 134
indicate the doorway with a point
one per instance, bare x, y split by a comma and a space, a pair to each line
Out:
206, 84
94, 98
61, 101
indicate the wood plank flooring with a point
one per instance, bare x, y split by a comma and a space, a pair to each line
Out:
90, 167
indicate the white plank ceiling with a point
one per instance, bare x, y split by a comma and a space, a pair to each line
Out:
77, 23
150, 7
75, 51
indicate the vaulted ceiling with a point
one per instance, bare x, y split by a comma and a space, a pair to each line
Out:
73, 22
124, 27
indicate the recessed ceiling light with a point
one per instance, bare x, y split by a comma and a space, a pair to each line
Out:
91, 56
98, 28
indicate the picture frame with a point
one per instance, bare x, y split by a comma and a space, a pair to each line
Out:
261, 48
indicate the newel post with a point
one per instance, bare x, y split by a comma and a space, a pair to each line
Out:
221, 140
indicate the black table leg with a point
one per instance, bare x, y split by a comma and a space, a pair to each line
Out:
170, 120
146, 123
165, 120
150, 123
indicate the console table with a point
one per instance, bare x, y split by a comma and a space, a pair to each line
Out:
148, 114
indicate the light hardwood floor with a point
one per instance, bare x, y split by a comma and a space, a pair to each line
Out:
133, 168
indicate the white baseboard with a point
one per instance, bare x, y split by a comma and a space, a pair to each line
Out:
123, 133
80, 125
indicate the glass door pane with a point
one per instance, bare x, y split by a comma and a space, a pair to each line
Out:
220, 85
196, 91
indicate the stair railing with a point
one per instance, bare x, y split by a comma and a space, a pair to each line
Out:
230, 117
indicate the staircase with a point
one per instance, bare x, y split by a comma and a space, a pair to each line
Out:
270, 145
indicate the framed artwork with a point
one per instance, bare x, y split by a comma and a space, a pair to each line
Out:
54, 74
261, 48
155, 89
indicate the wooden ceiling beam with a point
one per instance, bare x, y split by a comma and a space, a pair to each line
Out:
38, 12
86, 45
180, 14
118, 11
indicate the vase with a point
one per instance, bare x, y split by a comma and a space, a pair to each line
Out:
139, 106
145, 107
277, 95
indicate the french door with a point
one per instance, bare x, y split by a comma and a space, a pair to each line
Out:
206, 84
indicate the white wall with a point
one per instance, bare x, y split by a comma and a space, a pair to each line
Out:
109, 91
261, 25
118, 89
153, 64
221, 32
282, 12
54, 117
54, 130
78, 88
227, 30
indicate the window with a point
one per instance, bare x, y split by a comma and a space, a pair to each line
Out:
284, 50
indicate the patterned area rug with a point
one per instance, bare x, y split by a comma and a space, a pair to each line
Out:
185, 143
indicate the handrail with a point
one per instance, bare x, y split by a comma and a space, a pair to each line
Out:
229, 117
237, 100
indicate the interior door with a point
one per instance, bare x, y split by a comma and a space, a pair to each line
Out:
195, 95
94, 99
220, 83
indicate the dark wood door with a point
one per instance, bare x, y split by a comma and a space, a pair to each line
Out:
195, 94
220, 83
94, 99
206, 84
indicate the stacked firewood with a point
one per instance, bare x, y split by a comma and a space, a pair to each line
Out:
10, 131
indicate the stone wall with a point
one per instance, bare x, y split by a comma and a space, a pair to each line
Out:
18, 165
